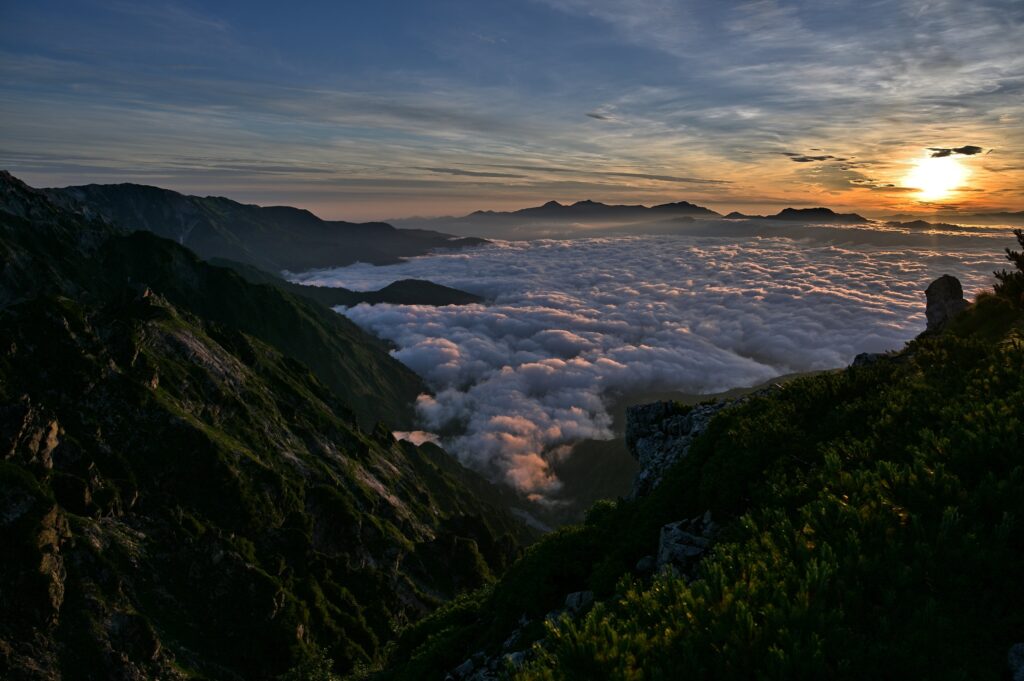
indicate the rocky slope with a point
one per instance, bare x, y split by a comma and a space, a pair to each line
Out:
180, 496
274, 239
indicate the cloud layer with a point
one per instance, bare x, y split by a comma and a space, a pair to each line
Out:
572, 323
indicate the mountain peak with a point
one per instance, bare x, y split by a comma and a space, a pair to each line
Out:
821, 210
817, 213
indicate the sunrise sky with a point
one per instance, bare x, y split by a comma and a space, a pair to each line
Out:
387, 109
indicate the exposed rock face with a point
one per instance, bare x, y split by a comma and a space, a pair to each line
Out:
659, 434
683, 543
516, 650
945, 300
867, 358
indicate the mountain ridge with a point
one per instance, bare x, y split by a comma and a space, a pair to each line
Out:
993, 218
273, 238
180, 497
817, 214
595, 209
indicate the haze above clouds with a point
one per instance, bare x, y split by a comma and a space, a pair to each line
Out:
572, 323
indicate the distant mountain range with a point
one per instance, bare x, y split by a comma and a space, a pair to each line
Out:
593, 210
274, 238
925, 225
592, 218
999, 218
596, 211
810, 215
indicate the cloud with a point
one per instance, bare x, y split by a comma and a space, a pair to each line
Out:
579, 172
665, 178
573, 323
802, 158
660, 24
469, 173
600, 117
417, 437
942, 152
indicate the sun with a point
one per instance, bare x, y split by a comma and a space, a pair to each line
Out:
936, 178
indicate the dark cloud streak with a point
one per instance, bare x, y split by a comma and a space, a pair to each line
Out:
804, 158
967, 150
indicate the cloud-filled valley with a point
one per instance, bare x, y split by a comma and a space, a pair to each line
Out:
571, 324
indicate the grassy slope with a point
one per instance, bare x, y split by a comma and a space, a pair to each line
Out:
874, 528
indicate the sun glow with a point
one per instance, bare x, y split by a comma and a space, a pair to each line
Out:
936, 178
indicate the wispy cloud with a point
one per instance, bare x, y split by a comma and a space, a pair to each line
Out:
631, 100
470, 173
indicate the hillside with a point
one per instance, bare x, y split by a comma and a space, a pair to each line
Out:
274, 238
56, 251
858, 524
182, 498
403, 292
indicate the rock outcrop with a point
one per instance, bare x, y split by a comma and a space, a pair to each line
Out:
683, 543
659, 434
945, 300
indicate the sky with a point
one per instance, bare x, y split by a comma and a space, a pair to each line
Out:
388, 109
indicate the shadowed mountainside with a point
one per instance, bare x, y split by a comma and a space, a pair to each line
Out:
180, 496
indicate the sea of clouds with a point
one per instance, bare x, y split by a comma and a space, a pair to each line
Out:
570, 324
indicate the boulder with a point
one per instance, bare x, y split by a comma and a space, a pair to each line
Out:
945, 298
678, 547
578, 601
646, 565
